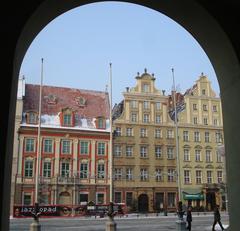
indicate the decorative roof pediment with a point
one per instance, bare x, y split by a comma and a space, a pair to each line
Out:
219, 167
208, 147
209, 166
186, 146
51, 99
198, 166
80, 101
198, 147
187, 166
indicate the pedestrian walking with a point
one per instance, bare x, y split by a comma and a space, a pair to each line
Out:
217, 218
189, 218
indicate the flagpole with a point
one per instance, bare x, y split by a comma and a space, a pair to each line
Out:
36, 225
177, 138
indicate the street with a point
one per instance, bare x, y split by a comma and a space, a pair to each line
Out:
130, 223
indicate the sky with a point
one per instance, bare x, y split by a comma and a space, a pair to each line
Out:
78, 46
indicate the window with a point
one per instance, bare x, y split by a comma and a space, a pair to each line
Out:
129, 151
32, 118
101, 171
84, 170
204, 107
47, 169
129, 198
185, 136
203, 92
129, 173
198, 155
118, 131
209, 177
158, 105
170, 134
65, 169
48, 146
214, 108
158, 152
146, 118
187, 177
218, 136
67, 119
170, 153
28, 168
29, 145
117, 197
143, 132
117, 150
219, 157
66, 147
198, 177
101, 123
143, 151
186, 154
205, 121
27, 199
208, 156
101, 148
171, 199
194, 107
215, 122
100, 198
159, 176
143, 174
158, 133
158, 119
195, 120
117, 174
219, 177
171, 173
84, 147
133, 104
129, 132
133, 117
207, 137
146, 88
197, 136
146, 105
83, 197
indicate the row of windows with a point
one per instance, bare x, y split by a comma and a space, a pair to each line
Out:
146, 104
65, 147
207, 136
215, 121
199, 176
205, 107
198, 155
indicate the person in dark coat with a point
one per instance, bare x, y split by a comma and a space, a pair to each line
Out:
217, 218
189, 218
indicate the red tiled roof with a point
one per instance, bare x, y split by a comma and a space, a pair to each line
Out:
97, 102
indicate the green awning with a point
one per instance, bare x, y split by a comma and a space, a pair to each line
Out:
198, 196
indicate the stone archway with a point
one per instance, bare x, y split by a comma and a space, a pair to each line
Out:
203, 19
143, 203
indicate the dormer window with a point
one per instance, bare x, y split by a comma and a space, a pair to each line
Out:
80, 101
203, 92
32, 117
67, 117
101, 123
146, 88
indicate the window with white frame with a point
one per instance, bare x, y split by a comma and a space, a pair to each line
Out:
194, 106
195, 120
84, 147
159, 175
65, 169
187, 177
186, 154
146, 88
208, 156
196, 136
209, 177
101, 148
198, 155
218, 136
205, 121
117, 173
203, 92
67, 119
214, 107
29, 145
146, 118
117, 150
171, 174
134, 117
158, 105
129, 151
143, 151
133, 104
143, 132
118, 131
48, 145
207, 137
170, 134
129, 174
101, 171
100, 198
27, 198
170, 152
198, 177
204, 107
158, 151
171, 199
158, 133
146, 104
32, 117
143, 174
158, 119
215, 122
28, 168
219, 177
185, 136
66, 146
129, 132
47, 168
219, 157
83, 170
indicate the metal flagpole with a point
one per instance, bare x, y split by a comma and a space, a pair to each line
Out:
177, 139
35, 225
